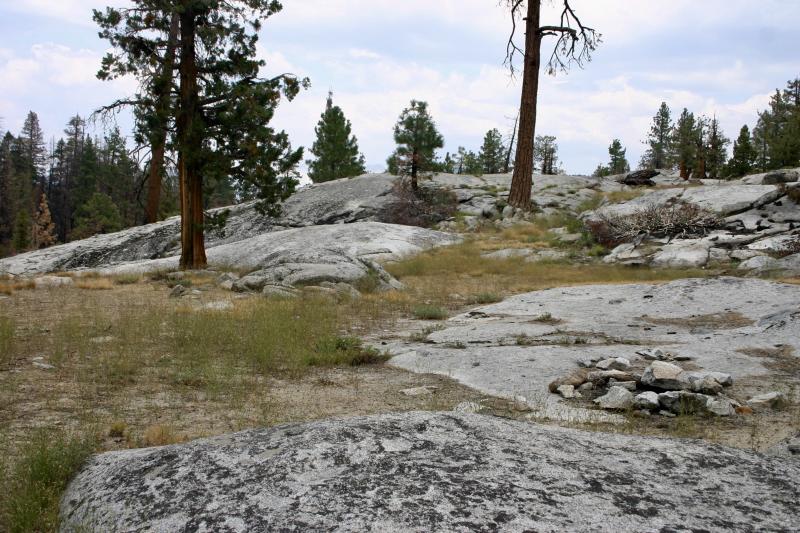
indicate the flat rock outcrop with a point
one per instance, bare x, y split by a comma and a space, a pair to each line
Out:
310, 255
433, 472
756, 217
516, 348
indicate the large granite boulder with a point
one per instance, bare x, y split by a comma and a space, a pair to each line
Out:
433, 472
310, 255
342, 201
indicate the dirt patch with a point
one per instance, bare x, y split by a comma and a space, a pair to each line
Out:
728, 320
781, 359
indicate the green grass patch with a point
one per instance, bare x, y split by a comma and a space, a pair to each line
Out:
32, 487
429, 312
483, 298
7, 329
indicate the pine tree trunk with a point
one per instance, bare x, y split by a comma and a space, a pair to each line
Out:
507, 166
684, 170
522, 182
163, 90
414, 170
193, 254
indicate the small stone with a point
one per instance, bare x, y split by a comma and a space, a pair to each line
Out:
43, 366
51, 282
604, 375
616, 363
720, 406
706, 385
567, 391
773, 400
586, 387
646, 400
467, 407
664, 376
576, 379
683, 402
178, 291
586, 363
652, 355
279, 291
221, 305
425, 390
667, 414
616, 398
629, 385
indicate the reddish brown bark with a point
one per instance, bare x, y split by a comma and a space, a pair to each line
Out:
522, 181
193, 254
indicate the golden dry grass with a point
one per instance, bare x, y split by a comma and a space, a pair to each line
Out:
448, 276
94, 284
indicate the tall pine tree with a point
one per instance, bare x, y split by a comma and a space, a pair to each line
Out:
417, 141
744, 155
493, 152
717, 151
658, 140
618, 163
223, 107
336, 148
683, 143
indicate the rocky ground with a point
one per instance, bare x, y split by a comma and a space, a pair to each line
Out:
433, 472
629, 356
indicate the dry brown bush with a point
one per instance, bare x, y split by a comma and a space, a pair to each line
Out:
677, 220
424, 207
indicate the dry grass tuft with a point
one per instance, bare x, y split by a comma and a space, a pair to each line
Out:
94, 284
160, 435
9, 286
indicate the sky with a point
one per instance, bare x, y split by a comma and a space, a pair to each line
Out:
723, 57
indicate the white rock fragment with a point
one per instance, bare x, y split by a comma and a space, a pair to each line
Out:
617, 398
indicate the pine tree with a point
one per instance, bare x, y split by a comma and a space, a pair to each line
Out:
545, 153
21, 238
98, 215
575, 43
618, 163
6, 198
472, 164
335, 149
717, 151
33, 151
43, 231
417, 140
658, 140
448, 164
223, 107
683, 143
699, 169
744, 155
493, 152
601, 171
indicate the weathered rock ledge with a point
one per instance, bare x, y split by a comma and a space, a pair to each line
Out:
433, 472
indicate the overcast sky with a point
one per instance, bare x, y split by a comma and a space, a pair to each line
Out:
712, 56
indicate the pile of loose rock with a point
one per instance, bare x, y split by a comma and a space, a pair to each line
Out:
655, 383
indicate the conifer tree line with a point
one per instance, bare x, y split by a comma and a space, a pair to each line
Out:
77, 186
418, 140
697, 147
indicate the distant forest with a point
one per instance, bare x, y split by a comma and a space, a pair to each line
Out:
80, 185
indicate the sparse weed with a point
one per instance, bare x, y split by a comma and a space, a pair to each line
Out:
32, 487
